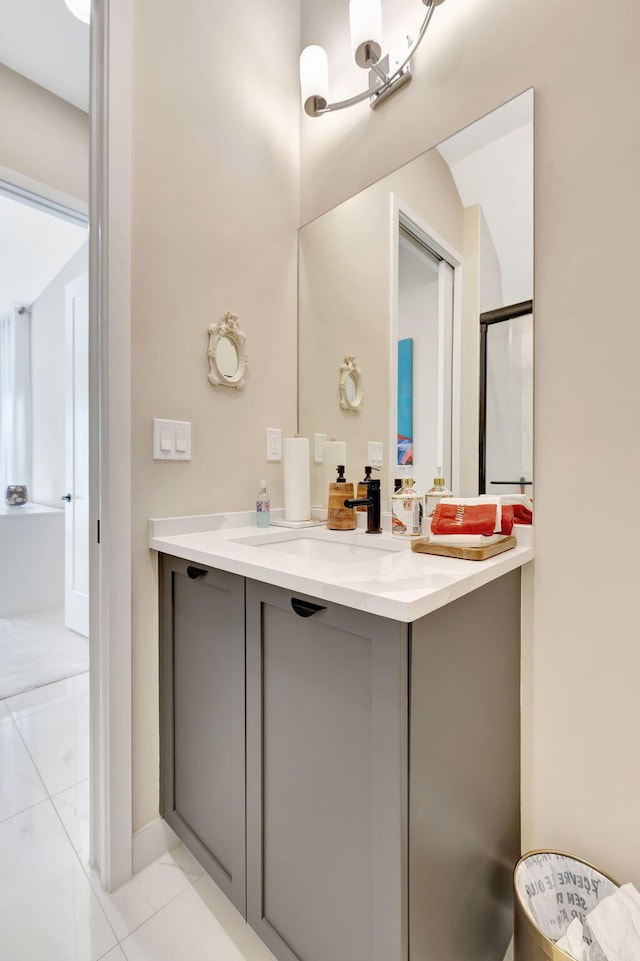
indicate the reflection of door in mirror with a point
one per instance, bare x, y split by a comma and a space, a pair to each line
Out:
506, 401
425, 343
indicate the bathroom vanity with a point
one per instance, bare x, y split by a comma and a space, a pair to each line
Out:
341, 738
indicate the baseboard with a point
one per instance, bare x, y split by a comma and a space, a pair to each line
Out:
151, 842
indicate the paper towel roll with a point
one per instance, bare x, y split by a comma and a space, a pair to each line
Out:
335, 452
297, 485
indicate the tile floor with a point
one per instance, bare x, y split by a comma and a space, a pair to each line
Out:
51, 905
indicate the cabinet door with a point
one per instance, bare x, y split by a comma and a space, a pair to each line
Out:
326, 780
202, 718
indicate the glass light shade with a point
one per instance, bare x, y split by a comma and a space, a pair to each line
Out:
365, 17
80, 9
314, 74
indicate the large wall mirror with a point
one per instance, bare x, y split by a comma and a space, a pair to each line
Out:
427, 277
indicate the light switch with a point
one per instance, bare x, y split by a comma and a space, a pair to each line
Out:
171, 440
374, 453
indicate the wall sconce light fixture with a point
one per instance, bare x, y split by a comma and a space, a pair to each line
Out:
80, 9
386, 74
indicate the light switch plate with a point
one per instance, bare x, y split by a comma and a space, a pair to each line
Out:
319, 441
374, 453
171, 440
274, 444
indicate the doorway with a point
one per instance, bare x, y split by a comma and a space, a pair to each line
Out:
44, 56
426, 319
45, 249
425, 340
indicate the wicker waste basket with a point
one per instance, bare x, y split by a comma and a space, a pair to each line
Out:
552, 888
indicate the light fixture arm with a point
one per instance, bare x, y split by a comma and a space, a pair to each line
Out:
389, 81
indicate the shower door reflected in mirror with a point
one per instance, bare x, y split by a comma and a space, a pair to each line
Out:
506, 401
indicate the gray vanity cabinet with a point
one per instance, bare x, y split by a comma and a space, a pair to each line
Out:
370, 779
202, 675
326, 778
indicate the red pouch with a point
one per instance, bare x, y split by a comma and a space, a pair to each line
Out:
470, 519
465, 518
508, 517
522, 514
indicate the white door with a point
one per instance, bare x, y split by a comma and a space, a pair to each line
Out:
76, 602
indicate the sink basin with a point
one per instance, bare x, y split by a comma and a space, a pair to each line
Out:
324, 547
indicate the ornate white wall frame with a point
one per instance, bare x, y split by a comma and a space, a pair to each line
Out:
227, 330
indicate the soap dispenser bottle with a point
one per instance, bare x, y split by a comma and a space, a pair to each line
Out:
436, 493
339, 517
363, 488
263, 506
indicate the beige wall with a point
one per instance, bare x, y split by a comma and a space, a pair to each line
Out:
215, 214
42, 137
345, 298
48, 346
581, 656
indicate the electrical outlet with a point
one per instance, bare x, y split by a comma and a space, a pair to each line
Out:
318, 448
274, 444
374, 453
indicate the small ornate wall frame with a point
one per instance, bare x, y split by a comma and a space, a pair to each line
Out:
226, 340
350, 384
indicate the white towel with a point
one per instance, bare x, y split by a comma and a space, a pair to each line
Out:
465, 540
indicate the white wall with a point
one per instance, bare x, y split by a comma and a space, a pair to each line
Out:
48, 384
42, 137
500, 177
581, 650
215, 214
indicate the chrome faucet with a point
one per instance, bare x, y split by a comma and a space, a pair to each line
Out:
372, 503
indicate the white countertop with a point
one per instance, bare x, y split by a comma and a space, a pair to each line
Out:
389, 581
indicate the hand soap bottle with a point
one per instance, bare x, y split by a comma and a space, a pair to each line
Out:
407, 510
263, 506
339, 517
436, 493
363, 490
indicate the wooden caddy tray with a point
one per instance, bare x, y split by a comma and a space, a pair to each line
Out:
423, 546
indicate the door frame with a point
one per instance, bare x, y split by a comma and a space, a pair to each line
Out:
401, 214
110, 440
489, 317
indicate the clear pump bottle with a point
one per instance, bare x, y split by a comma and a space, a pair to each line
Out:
407, 508
436, 493
263, 506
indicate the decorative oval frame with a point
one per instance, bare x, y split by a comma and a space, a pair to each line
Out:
227, 329
351, 370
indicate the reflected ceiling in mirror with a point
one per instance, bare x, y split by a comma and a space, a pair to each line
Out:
467, 208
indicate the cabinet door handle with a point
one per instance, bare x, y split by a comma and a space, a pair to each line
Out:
305, 608
194, 572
